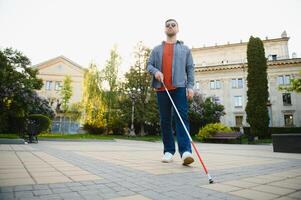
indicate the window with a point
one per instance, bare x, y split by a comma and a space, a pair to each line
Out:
284, 80
216, 100
58, 85
280, 80
237, 83
288, 120
238, 101
212, 84
234, 83
238, 121
274, 57
197, 85
215, 84
286, 98
287, 79
48, 85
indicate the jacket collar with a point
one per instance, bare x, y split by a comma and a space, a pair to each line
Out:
178, 42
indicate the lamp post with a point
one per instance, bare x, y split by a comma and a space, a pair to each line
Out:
133, 94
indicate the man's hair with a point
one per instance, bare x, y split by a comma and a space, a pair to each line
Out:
171, 20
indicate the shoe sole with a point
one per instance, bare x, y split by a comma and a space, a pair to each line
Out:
166, 161
188, 161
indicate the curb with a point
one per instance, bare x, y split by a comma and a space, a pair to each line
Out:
73, 140
12, 141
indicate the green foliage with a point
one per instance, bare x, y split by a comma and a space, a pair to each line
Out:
110, 93
40, 123
138, 83
75, 111
92, 104
256, 109
203, 112
9, 136
118, 123
94, 129
18, 98
211, 129
66, 92
295, 85
275, 130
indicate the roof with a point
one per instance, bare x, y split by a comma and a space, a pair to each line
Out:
238, 44
245, 65
57, 58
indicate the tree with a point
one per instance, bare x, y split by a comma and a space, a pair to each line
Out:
140, 79
92, 104
66, 92
295, 85
256, 109
18, 98
202, 112
110, 94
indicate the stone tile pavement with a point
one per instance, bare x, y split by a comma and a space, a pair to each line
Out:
129, 170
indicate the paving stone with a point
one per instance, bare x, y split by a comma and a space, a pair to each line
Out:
23, 188
221, 187
61, 190
42, 192
26, 194
131, 168
273, 189
40, 187
296, 195
7, 196
252, 194
7, 189
51, 197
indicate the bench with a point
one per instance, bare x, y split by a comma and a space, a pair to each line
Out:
226, 136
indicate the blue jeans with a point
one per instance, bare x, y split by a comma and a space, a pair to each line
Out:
165, 107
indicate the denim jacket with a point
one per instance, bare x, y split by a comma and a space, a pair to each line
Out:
182, 65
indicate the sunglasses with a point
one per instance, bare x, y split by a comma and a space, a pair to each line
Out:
170, 24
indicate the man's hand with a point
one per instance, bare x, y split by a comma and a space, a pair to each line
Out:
159, 76
189, 93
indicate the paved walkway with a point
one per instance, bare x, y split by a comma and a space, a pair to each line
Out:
129, 170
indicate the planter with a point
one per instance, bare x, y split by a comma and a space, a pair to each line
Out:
287, 143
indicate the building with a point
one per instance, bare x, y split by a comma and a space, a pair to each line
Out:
221, 73
53, 73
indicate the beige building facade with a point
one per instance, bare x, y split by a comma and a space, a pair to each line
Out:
221, 73
53, 73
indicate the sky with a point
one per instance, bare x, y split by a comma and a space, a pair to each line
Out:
86, 30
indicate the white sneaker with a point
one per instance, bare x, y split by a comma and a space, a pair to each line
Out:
187, 158
167, 157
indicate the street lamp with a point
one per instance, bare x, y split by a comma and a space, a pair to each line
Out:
133, 94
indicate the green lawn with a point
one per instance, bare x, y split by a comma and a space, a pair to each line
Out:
149, 138
100, 137
9, 136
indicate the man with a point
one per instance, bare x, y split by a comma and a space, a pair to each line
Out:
171, 62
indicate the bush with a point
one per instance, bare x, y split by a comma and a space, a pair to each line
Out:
93, 129
211, 129
38, 123
273, 130
117, 126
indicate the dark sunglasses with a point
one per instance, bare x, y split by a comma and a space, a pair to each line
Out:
170, 24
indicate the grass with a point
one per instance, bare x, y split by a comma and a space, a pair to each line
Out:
100, 137
148, 138
9, 136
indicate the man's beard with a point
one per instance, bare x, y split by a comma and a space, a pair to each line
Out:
170, 34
